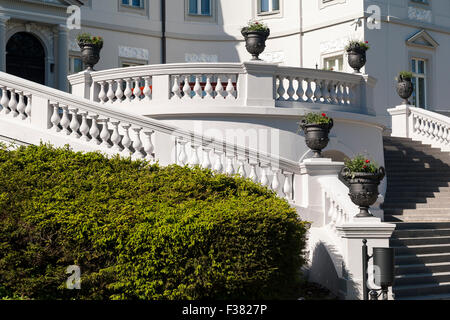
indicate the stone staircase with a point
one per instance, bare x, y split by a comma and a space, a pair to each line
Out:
418, 202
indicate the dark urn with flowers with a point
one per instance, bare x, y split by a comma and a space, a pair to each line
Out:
316, 128
255, 35
90, 49
405, 86
362, 177
356, 52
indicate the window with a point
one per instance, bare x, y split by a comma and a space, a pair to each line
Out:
335, 63
75, 64
131, 64
200, 7
268, 6
133, 3
418, 69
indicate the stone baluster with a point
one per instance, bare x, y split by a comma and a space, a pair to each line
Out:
194, 161
218, 162
149, 148
147, 90
176, 90
84, 128
128, 92
280, 89
230, 168
220, 93
325, 91
110, 94
65, 121
115, 137
55, 119
445, 135
137, 89
231, 92
126, 141
137, 144
206, 160
13, 103
317, 91
435, 131
351, 95
208, 88
28, 107
264, 179
21, 106
119, 91
290, 91
182, 156
104, 134
94, 131
253, 176
346, 95
339, 95
102, 92
440, 134
241, 168
422, 126
4, 101
300, 92
186, 88
275, 180
333, 99
198, 93
430, 129
74, 124
309, 93
287, 186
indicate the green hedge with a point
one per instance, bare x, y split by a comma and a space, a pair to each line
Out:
140, 231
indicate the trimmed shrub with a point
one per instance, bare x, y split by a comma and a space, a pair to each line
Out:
140, 231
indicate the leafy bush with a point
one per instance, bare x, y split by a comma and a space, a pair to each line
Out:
255, 26
356, 45
404, 75
140, 231
84, 38
361, 164
317, 118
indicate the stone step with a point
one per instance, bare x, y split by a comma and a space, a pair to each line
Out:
437, 204
416, 189
418, 212
437, 267
415, 219
418, 184
421, 278
416, 290
422, 258
397, 242
412, 233
416, 194
443, 296
421, 226
421, 249
412, 174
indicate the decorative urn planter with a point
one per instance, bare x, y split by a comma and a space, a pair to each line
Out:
356, 53
90, 49
90, 54
316, 135
405, 88
363, 188
255, 35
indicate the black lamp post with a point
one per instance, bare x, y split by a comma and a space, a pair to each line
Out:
383, 258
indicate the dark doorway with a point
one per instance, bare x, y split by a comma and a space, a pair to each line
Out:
25, 57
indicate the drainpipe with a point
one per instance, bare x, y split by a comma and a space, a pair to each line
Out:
163, 32
301, 33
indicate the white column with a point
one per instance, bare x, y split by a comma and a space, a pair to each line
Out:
63, 58
3, 20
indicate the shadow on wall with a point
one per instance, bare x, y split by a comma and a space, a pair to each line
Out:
335, 155
324, 271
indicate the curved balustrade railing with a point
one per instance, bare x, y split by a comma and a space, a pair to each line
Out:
226, 84
111, 131
421, 125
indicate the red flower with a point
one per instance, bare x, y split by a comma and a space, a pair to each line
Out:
364, 166
324, 115
256, 22
367, 42
367, 161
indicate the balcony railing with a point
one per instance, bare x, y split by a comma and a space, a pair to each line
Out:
227, 84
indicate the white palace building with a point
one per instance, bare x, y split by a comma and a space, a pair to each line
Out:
241, 117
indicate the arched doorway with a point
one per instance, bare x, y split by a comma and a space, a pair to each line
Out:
25, 57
